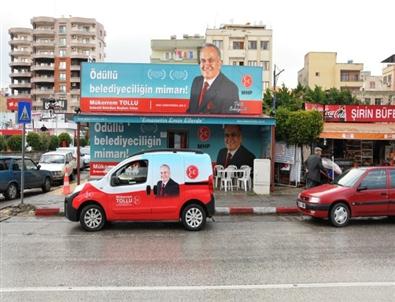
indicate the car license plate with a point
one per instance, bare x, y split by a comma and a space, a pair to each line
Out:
301, 205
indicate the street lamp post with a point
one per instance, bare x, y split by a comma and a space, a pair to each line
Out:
275, 76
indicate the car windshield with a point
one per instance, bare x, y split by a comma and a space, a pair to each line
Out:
52, 159
349, 178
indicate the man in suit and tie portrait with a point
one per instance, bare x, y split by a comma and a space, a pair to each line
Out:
234, 153
213, 92
166, 186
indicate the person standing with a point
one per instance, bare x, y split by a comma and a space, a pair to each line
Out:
213, 92
314, 166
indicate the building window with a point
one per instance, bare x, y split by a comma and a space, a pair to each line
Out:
62, 65
62, 88
252, 44
377, 101
264, 45
62, 41
190, 54
62, 52
317, 74
252, 63
367, 100
266, 85
265, 65
372, 85
238, 45
62, 29
62, 76
218, 43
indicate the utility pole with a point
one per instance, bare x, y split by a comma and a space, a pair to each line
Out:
275, 76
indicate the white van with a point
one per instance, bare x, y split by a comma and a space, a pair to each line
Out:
158, 185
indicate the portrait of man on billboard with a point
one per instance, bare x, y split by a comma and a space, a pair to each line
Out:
212, 92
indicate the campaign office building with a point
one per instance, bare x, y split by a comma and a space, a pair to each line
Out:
135, 107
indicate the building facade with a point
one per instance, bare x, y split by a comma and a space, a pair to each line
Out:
248, 45
176, 51
45, 60
321, 69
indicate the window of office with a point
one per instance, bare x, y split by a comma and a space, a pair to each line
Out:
62, 65
62, 88
62, 41
62, 29
62, 76
264, 45
218, 43
238, 45
252, 63
252, 44
62, 52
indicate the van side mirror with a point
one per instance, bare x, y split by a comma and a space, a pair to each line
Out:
115, 180
362, 188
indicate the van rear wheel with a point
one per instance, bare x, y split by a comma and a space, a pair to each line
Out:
92, 218
193, 217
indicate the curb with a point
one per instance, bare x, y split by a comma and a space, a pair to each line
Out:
220, 211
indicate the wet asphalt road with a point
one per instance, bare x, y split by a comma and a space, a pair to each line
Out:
245, 258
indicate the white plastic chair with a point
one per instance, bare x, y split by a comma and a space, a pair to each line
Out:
227, 179
244, 182
217, 174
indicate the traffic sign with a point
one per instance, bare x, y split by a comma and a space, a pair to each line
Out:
24, 112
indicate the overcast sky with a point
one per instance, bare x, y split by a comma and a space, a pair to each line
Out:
362, 31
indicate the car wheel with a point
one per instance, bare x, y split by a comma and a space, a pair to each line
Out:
47, 185
340, 215
193, 217
92, 218
11, 192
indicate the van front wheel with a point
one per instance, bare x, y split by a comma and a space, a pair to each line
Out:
193, 217
92, 218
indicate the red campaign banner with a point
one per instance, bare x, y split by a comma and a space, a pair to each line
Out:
370, 113
12, 103
100, 168
141, 105
313, 106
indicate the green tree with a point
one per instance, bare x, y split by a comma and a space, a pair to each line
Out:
3, 143
304, 127
64, 139
45, 140
53, 143
14, 142
83, 142
33, 140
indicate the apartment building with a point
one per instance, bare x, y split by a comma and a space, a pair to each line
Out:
321, 69
389, 72
249, 45
45, 60
176, 51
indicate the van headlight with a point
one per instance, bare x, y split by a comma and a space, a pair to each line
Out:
314, 199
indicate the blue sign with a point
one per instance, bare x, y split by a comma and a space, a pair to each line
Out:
24, 112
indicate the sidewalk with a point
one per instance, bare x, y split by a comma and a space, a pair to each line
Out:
281, 201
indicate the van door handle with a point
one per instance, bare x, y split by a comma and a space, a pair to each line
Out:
148, 190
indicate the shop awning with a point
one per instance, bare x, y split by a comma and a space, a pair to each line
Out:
175, 119
365, 131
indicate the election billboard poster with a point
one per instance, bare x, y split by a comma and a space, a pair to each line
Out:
169, 88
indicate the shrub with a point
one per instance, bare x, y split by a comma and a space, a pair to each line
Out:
83, 142
64, 139
53, 142
3, 143
14, 142
33, 140
45, 140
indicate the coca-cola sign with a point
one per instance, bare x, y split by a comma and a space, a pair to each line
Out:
335, 113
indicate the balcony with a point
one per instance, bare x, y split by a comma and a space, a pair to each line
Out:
82, 32
44, 43
38, 67
15, 42
75, 67
79, 56
81, 44
75, 79
74, 91
43, 55
20, 74
20, 85
20, 63
42, 79
44, 31
20, 30
19, 52
42, 91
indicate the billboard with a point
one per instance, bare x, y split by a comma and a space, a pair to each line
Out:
169, 88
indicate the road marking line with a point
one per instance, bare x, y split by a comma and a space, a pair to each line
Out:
195, 288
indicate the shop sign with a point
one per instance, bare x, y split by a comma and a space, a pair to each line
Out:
168, 88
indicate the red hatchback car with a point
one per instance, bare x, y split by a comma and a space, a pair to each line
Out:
365, 191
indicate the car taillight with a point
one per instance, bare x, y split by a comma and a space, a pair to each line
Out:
211, 183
